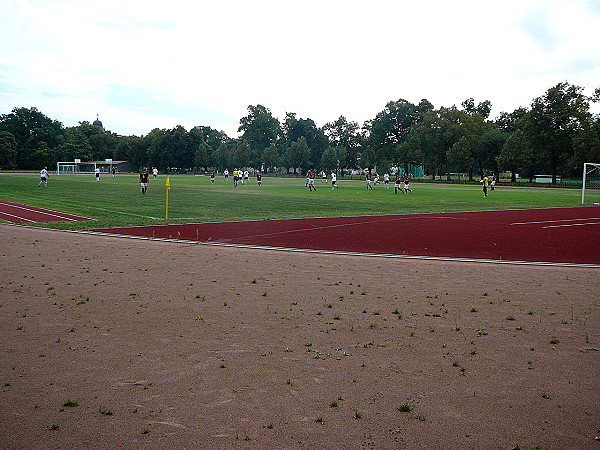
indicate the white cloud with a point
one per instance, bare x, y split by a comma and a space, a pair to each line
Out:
147, 64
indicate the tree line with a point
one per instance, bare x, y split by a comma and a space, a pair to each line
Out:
556, 134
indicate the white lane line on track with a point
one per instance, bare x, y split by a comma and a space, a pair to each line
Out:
572, 225
338, 252
17, 217
554, 221
340, 225
38, 212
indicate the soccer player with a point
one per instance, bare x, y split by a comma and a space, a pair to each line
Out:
386, 180
311, 181
246, 176
397, 184
226, 174
333, 181
259, 178
97, 172
493, 185
407, 183
486, 182
236, 177
212, 176
144, 175
44, 177
368, 180
154, 172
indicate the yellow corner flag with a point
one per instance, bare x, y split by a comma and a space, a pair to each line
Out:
167, 189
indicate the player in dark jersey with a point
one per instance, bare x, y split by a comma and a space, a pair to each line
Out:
144, 180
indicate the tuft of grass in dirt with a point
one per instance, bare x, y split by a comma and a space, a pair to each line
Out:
405, 407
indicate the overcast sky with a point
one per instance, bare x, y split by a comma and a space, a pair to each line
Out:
143, 64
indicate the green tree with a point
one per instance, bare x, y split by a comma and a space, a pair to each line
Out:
554, 122
8, 150
515, 154
316, 140
270, 157
201, 157
345, 137
387, 134
483, 108
330, 160
298, 154
259, 130
30, 129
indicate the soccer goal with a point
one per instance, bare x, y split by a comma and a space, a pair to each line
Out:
590, 191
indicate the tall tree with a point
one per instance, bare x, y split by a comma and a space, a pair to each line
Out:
8, 150
483, 108
259, 130
554, 121
33, 132
515, 154
387, 133
344, 135
316, 140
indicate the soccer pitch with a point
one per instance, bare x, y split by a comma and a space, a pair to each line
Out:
118, 201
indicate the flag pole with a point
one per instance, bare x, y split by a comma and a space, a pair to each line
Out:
167, 189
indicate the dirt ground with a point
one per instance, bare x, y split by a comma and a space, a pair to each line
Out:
122, 343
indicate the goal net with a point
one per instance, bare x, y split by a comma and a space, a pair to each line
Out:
590, 191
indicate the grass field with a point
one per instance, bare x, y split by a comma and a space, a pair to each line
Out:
119, 202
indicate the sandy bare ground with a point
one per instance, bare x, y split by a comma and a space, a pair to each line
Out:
119, 343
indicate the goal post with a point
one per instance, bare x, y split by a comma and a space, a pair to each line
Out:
590, 189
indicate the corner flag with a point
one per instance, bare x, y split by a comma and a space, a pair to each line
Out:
167, 189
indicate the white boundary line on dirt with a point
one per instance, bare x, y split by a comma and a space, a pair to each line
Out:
338, 252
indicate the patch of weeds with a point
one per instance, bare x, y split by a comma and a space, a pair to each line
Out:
545, 395
358, 414
146, 431
334, 404
530, 313
106, 412
54, 427
20, 327
320, 419
270, 425
199, 319
372, 325
288, 349
474, 309
519, 328
253, 281
421, 418
70, 403
405, 407
510, 318
554, 341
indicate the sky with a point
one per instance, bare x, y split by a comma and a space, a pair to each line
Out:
142, 64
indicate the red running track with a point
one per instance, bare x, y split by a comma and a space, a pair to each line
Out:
17, 213
559, 235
